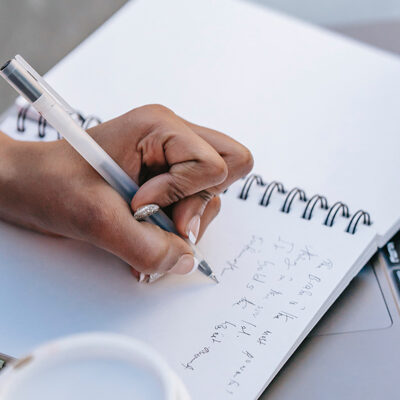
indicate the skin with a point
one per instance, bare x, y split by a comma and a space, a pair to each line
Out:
48, 187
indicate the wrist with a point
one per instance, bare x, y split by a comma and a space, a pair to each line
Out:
7, 162
17, 163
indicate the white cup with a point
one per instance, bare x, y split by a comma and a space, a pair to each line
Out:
91, 366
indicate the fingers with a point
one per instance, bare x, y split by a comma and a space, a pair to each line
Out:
145, 247
236, 156
210, 212
187, 214
176, 157
193, 164
182, 164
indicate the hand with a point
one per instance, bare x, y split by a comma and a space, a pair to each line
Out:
48, 187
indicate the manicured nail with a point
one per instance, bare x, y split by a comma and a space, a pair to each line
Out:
185, 265
142, 277
145, 211
195, 265
193, 228
155, 277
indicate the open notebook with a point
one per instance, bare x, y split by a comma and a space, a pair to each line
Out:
278, 275
317, 111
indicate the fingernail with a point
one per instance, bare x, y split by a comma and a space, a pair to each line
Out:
193, 228
155, 277
142, 277
185, 265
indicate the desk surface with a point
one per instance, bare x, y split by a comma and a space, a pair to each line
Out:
376, 23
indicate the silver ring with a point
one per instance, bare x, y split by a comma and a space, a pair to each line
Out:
146, 211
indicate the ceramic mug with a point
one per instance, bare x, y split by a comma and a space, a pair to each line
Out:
91, 366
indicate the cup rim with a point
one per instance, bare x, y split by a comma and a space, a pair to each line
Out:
93, 344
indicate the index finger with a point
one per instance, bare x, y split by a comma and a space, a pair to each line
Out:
237, 157
191, 163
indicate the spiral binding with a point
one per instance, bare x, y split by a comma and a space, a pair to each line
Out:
85, 122
333, 212
248, 183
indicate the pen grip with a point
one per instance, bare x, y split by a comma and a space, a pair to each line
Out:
163, 221
87, 147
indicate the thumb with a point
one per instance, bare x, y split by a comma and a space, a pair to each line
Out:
144, 246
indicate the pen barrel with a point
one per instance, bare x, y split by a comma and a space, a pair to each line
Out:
163, 221
87, 147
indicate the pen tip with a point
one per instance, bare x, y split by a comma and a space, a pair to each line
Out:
214, 278
207, 271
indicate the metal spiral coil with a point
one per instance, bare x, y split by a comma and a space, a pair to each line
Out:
338, 209
42, 125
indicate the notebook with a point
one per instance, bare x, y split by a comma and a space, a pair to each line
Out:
318, 113
278, 274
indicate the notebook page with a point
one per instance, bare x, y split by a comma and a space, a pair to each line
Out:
317, 110
226, 341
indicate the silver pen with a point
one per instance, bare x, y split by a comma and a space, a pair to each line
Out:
27, 82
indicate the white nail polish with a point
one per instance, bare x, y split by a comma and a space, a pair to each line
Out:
181, 269
195, 265
155, 277
192, 238
193, 229
142, 277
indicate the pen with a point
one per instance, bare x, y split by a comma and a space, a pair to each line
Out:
27, 82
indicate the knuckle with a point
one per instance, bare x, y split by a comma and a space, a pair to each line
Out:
244, 160
218, 169
176, 190
159, 110
155, 115
206, 196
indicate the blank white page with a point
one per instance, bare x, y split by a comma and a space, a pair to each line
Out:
278, 274
316, 109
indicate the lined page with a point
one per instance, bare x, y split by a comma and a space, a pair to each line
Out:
277, 271
280, 271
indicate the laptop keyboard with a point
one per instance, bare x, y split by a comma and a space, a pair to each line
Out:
391, 253
397, 278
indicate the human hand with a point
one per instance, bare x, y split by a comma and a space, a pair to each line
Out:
48, 187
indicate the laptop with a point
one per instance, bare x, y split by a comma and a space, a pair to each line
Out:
354, 352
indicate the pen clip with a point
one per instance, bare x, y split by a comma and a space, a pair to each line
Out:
45, 86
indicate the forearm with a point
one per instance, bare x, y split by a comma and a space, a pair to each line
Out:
17, 160
7, 170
